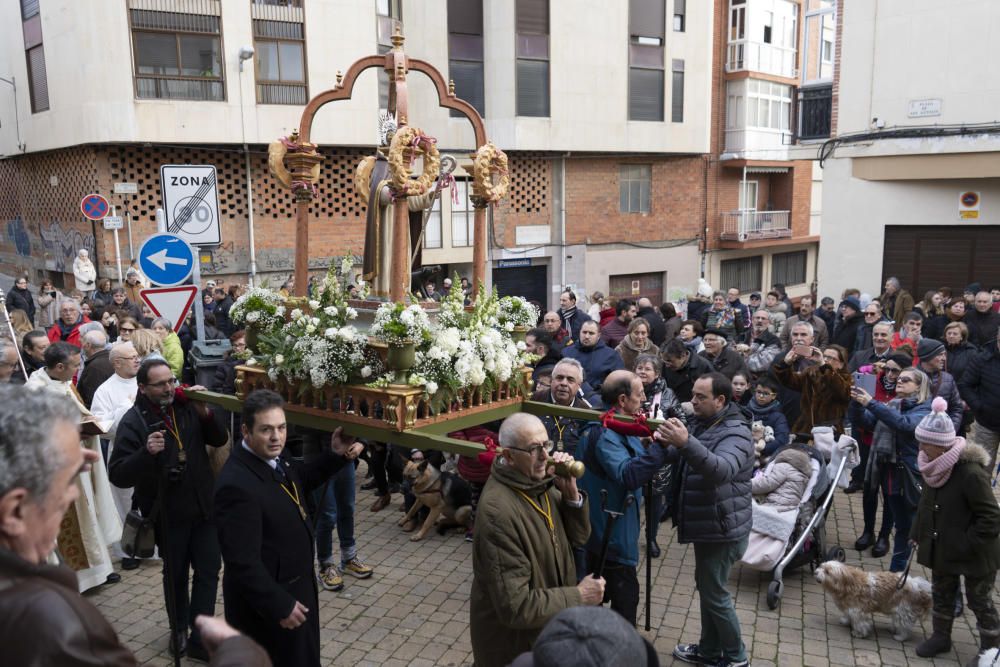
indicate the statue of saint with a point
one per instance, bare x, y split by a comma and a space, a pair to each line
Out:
372, 182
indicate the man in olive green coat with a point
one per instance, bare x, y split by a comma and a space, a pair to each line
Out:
527, 523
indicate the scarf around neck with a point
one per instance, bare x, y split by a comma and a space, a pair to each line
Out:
937, 472
635, 428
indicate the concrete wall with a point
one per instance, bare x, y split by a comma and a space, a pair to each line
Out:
856, 212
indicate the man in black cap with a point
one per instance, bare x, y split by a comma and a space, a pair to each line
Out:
846, 332
754, 304
933, 357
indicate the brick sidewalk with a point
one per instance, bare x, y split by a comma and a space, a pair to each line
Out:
414, 610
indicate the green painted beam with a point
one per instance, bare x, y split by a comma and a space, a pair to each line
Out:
541, 409
465, 421
413, 439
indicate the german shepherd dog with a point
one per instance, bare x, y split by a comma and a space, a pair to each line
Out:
447, 495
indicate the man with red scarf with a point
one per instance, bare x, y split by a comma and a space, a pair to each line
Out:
160, 450
620, 464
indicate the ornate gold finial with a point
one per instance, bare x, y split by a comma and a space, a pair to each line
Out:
340, 78
294, 136
402, 121
451, 88
397, 37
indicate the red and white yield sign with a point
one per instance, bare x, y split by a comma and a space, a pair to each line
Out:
95, 207
172, 303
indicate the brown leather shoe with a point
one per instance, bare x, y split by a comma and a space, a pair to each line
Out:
381, 502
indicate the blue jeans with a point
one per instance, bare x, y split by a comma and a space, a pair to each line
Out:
335, 507
902, 519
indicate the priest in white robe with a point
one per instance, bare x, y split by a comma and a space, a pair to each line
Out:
91, 523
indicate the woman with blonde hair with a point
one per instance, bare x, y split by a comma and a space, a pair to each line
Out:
636, 342
147, 344
19, 320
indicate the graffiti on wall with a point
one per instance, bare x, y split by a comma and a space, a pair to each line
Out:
62, 245
17, 236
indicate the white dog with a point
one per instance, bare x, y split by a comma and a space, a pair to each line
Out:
990, 658
858, 594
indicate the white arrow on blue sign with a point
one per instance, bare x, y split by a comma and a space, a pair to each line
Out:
166, 259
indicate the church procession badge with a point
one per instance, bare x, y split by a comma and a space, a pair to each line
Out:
191, 202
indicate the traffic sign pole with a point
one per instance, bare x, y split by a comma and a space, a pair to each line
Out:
199, 303
118, 254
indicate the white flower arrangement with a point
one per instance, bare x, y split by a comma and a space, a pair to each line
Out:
262, 308
398, 324
515, 311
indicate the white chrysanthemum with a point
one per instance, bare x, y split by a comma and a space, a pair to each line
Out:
311, 328
331, 332
331, 311
522, 346
366, 371
347, 333
315, 321
296, 314
431, 387
314, 304
406, 317
351, 313
279, 359
279, 311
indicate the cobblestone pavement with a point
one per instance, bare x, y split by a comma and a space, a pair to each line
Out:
414, 611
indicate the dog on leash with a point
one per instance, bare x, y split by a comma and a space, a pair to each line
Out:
989, 658
858, 594
447, 495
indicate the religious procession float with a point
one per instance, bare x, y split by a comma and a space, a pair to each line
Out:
382, 363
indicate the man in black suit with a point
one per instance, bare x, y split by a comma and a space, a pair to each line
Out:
881, 350
268, 585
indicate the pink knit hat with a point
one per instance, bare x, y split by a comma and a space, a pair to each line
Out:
937, 427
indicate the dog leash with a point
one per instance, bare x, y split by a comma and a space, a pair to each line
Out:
906, 570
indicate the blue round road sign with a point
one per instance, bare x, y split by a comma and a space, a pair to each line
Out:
94, 207
166, 259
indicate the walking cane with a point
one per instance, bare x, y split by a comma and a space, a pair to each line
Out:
649, 545
608, 525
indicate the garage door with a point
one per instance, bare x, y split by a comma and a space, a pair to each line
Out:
634, 286
531, 282
926, 258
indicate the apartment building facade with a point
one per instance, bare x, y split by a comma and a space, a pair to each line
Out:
771, 105
601, 110
912, 172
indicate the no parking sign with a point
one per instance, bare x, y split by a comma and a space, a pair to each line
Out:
191, 202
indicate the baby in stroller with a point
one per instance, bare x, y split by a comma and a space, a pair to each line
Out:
786, 493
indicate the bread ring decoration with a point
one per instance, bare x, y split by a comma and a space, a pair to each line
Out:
407, 144
490, 160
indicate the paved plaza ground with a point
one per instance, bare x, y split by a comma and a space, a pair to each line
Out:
414, 611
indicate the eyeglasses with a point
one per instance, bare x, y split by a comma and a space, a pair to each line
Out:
134, 357
163, 385
535, 450
764, 393
905, 380
831, 357
11, 364
127, 329
871, 314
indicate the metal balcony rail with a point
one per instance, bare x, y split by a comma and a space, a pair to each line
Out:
752, 225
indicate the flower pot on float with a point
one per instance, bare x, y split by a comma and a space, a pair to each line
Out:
400, 359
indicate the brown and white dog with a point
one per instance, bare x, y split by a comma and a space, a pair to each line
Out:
447, 495
858, 594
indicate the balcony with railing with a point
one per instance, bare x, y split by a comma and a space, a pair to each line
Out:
815, 112
751, 225
746, 55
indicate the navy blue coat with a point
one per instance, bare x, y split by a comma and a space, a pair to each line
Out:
597, 361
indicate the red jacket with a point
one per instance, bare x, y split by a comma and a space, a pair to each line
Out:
55, 333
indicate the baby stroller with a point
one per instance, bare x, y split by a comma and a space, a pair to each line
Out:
782, 541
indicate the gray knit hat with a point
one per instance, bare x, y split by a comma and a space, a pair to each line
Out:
937, 427
928, 348
585, 636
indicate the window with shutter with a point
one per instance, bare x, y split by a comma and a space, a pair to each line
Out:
465, 53
280, 62
178, 55
677, 92
789, 268
745, 274
533, 58
647, 29
37, 82
28, 9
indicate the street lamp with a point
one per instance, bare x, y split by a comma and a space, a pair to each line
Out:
246, 53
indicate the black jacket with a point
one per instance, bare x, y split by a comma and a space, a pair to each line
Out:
866, 357
847, 332
682, 380
267, 551
982, 327
97, 369
959, 358
190, 496
980, 387
657, 327
222, 321
729, 362
21, 299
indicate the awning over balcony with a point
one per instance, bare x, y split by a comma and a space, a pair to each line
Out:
767, 170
